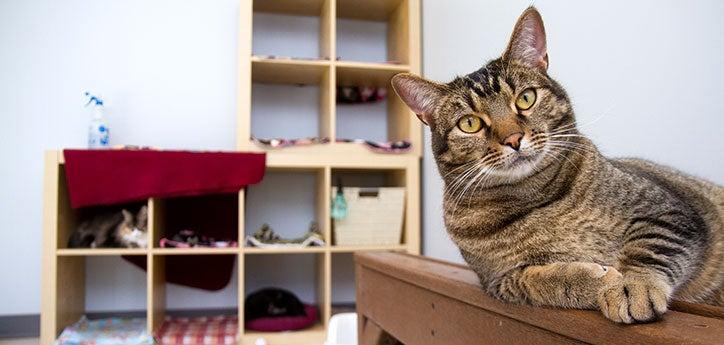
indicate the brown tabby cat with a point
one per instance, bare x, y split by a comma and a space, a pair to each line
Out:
541, 216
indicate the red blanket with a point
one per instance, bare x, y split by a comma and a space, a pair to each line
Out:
105, 177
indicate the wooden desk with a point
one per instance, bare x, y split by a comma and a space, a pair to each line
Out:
419, 300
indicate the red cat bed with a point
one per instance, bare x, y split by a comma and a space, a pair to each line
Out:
284, 323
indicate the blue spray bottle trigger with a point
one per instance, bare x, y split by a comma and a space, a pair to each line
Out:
92, 99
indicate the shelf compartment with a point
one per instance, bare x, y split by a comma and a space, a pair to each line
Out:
372, 178
77, 275
292, 28
286, 111
69, 219
164, 297
343, 284
288, 200
377, 30
288, 71
208, 215
308, 276
386, 120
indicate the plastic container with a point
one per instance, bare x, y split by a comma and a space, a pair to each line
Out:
342, 329
98, 131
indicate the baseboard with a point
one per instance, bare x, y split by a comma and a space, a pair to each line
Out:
19, 326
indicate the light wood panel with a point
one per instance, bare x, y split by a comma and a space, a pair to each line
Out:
49, 280
156, 292
288, 71
283, 250
377, 10
295, 7
353, 249
69, 291
67, 217
101, 251
243, 96
367, 74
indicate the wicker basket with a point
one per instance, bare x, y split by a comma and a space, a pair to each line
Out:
374, 216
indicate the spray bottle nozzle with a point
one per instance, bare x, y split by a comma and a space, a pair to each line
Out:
92, 99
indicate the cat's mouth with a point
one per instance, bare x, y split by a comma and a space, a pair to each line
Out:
521, 164
519, 159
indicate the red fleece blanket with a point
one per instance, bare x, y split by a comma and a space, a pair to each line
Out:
106, 177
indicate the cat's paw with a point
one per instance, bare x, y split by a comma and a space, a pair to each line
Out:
598, 271
633, 299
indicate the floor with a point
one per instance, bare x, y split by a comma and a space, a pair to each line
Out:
20, 341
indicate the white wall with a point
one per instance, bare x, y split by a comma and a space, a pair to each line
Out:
646, 75
168, 72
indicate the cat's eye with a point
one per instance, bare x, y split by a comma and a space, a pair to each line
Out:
470, 124
525, 100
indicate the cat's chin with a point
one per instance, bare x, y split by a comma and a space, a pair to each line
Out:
519, 167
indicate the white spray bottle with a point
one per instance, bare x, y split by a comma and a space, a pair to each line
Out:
98, 133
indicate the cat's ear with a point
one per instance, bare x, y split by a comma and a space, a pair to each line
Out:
527, 44
127, 216
421, 95
142, 216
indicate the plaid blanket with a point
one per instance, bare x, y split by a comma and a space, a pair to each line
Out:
214, 330
111, 331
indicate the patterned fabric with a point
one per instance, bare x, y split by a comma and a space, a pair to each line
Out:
112, 331
213, 330
399, 146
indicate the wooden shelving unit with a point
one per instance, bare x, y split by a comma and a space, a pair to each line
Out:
403, 47
64, 276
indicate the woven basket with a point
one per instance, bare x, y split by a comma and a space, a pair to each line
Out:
374, 216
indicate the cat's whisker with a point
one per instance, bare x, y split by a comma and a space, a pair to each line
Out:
572, 145
461, 166
559, 154
458, 181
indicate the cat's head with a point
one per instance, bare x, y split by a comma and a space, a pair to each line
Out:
502, 122
133, 230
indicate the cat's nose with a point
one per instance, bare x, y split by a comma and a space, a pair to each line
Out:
513, 140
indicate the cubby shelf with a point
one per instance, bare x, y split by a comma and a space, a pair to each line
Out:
291, 250
101, 252
288, 71
63, 279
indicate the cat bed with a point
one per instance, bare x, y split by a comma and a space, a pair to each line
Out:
212, 330
111, 331
106, 177
284, 323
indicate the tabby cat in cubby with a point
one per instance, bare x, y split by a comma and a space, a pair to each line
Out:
541, 216
115, 228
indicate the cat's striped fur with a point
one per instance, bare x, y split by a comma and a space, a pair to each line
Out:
554, 222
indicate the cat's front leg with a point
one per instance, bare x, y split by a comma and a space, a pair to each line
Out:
559, 284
